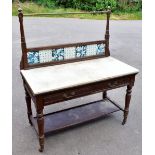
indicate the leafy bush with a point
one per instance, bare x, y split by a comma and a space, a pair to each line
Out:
103, 4
93, 5
88, 5
46, 3
134, 5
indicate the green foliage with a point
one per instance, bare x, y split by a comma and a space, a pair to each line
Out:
103, 4
46, 3
93, 5
31, 7
98, 5
88, 5
22, 1
133, 6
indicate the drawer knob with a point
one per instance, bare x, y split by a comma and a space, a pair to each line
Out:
69, 96
113, 84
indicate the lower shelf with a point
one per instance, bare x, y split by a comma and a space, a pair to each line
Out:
77, 115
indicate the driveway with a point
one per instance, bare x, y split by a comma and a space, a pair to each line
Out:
103, 137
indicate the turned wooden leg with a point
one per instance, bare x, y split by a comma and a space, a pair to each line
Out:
40, 121
127, 102
28, 103
104, 94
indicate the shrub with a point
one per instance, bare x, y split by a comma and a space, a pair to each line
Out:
46, 3
93, 5
132, 6
88, 5
103, 4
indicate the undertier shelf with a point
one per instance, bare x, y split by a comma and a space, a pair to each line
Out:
77, 115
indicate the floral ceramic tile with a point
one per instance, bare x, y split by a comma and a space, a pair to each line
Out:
33, 57
58, 54
100, 49
65, 53
81, 51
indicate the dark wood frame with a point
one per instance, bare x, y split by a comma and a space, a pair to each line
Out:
44, 99
24, 64
28, 66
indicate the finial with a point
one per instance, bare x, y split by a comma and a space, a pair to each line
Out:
19, 10
109, 7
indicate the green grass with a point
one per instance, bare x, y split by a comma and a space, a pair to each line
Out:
34, 8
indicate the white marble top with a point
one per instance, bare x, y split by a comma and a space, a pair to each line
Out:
56, 77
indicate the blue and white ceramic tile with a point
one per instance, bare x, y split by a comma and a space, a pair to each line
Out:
69, 53
58, 54
45, 56
91, 50
64, 53
100, 49
33, 57
81, 51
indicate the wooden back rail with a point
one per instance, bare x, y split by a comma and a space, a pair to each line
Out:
65, 53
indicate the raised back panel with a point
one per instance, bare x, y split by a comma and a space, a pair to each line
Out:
58, 54
36, 56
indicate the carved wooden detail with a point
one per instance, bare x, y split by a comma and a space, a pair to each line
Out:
88, 89
28, 103
40, 120
127, 102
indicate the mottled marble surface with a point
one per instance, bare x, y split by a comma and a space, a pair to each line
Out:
56, 77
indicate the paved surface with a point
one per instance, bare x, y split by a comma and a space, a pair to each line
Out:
103, 137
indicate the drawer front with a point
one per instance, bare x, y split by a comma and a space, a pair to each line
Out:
88, 89
66, 95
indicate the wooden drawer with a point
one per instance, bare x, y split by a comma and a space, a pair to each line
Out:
67, 94
88, 89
